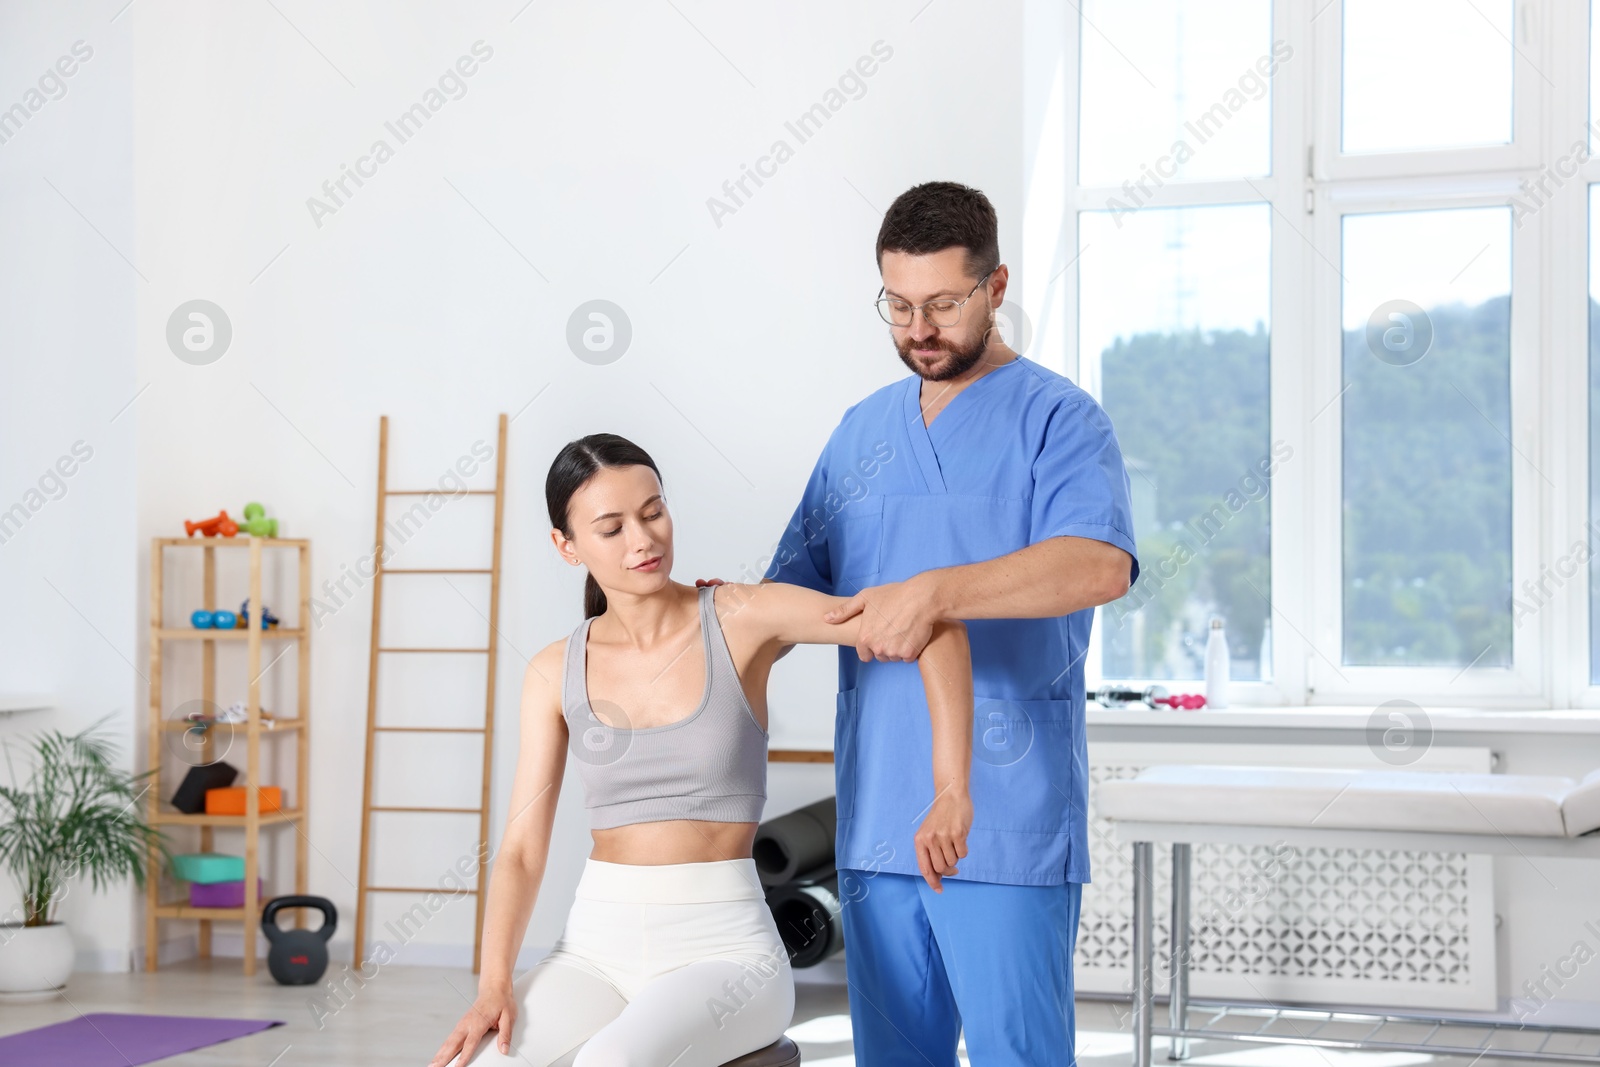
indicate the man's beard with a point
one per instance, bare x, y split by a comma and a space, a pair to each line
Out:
962, 358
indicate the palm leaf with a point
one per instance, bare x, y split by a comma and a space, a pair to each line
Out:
76, 816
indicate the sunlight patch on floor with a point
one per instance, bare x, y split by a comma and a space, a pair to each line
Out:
1306, 1056
824, 1029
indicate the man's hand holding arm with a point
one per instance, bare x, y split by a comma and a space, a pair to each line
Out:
1054, 577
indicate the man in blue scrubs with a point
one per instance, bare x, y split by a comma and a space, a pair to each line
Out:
990, 489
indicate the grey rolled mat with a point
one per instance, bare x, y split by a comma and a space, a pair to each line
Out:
799, 841
806, 912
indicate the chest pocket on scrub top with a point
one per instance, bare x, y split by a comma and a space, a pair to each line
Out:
855, 544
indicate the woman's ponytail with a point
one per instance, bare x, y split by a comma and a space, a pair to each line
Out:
594, 599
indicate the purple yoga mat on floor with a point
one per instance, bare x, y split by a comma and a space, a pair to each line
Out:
112, 1039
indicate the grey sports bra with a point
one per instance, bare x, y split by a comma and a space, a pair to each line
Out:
711, 765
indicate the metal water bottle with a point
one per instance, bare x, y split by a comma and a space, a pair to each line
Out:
1216, 666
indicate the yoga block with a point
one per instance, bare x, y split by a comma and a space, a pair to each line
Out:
220, 894
191, 795
208, 867
230, 801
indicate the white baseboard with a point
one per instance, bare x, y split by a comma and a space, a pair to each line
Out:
102, 961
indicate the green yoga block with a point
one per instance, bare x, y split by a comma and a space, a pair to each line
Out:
208, 867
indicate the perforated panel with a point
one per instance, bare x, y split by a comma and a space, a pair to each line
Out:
1287, 923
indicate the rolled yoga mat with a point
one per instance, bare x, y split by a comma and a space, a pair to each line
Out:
806, 912
799, 841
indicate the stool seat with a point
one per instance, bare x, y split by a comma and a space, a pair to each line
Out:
781, 1053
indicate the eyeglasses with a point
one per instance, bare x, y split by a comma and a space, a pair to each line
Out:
942, 312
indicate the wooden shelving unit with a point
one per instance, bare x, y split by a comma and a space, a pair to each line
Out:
257, 641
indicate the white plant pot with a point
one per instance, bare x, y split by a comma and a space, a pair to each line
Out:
35, 961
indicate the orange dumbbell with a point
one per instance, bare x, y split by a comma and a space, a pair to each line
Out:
219, 525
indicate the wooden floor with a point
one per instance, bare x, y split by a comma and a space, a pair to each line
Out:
402, 1014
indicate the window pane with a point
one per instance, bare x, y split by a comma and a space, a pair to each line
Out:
1594, 432
1427, 451
1175, 89
1426, 74
1175, 306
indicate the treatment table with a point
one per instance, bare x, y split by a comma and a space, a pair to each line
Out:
1526, 815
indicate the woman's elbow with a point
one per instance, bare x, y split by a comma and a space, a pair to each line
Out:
524, 857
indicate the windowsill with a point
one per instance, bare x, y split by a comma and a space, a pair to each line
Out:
1442, 720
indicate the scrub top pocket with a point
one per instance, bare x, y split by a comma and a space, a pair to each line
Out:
1024, 764
855, 545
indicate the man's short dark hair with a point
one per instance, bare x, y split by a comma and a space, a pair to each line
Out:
934, 216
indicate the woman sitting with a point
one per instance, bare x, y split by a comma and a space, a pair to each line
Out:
669, 955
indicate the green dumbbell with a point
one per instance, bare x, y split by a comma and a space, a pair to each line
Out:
256, 523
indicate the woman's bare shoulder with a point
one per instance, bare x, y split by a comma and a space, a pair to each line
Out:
555, 651
545, 668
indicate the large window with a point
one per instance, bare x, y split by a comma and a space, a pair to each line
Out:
1318, 284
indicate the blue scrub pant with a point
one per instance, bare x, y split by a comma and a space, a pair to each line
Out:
995, 959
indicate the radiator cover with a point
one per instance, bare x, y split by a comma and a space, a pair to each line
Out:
1295, 924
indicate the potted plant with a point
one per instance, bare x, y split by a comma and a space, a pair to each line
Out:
76, 814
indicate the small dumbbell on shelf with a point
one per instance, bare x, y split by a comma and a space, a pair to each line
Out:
219, 525
1118, 696
1151, 696
269, 621
256, 523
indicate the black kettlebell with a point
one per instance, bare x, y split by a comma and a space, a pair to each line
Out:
298, 957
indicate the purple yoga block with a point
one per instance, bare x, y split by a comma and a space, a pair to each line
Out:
220, 894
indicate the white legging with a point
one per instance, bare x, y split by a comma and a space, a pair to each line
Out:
676, 965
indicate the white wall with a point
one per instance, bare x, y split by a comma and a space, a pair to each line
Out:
68, 299
577, 166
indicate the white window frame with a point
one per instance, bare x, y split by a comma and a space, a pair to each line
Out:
1570, 415
1332, 164
1282, 190
1327, 672
1311, 188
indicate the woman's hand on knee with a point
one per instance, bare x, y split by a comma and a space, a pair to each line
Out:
495, 1009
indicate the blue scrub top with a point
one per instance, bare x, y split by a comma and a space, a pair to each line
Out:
1020, 455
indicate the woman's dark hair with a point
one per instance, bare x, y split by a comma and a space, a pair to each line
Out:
574, 465
934, 216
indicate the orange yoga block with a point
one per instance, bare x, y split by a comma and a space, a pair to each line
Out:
230, 800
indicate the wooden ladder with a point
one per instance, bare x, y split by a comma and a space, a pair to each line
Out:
374, 728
